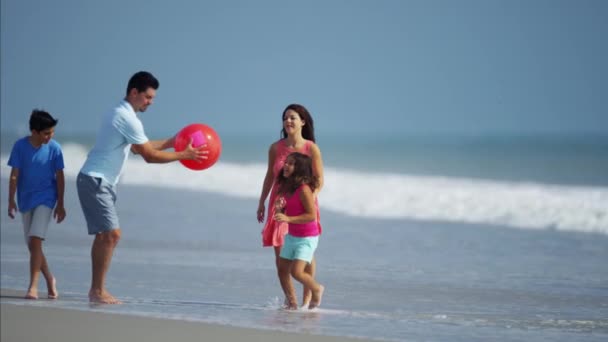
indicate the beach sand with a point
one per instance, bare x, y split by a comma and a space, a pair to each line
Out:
34, 323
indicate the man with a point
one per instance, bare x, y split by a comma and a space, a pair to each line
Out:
121, 131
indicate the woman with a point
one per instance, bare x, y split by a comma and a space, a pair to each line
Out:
297, 135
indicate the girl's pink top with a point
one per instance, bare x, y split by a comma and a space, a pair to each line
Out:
294, 207
274, 232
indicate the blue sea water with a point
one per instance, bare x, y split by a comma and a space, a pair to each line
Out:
443, 239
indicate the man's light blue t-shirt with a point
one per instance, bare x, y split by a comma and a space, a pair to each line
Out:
120, 128
36, 183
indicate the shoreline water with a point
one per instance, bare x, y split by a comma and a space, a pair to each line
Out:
191, 250
195, 255
55, 324
525, 205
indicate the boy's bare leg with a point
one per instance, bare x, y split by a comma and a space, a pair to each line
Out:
101, 257
287, 284
51, 282
35, 247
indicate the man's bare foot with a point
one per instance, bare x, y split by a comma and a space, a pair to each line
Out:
316, 298
31, 294
52, 289
102, 297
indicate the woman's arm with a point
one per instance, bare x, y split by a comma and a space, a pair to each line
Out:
268, 180
317, 167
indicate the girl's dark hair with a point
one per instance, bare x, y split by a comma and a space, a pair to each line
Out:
302, 174
308, 130
41, 120
142, 81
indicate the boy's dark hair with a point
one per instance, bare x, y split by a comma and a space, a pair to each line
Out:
41, 120
142, 81
302, 174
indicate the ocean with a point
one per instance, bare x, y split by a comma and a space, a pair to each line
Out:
424, 239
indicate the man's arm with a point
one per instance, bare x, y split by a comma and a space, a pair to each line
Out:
163, 144
152, 152
159, 144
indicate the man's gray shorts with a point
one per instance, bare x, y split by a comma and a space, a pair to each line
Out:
97, 199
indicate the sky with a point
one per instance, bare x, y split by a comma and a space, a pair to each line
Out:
363, 68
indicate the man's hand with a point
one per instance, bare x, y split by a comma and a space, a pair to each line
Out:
196, 153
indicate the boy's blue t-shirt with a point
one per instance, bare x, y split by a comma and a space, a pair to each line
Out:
36, 184
120, 128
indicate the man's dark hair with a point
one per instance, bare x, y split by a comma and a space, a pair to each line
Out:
142, 81
41, 120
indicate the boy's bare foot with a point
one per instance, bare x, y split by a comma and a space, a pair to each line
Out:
31, 294
52, 289
102, 297
316, 298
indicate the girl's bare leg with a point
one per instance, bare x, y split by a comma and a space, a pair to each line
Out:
307, 293
277, 252
291, 302
297, 271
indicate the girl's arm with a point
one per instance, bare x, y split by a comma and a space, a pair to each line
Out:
268, 180
317, 167
59, 214
12, 190
308, 202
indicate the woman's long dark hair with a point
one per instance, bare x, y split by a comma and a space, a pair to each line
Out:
302, 174
308, 130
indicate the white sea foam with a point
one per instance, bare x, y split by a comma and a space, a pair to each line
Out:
393, 196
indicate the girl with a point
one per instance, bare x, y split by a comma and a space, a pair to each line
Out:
296, 185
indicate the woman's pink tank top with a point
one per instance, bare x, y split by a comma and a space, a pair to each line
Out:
283, 151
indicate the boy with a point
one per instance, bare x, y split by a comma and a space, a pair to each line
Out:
37, 178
